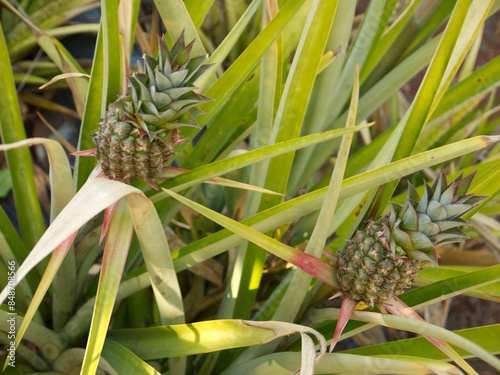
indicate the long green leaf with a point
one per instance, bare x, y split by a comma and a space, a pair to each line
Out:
240, 73
288, 123
156, 254
307, 203
223, 166
298, 89
50, 15
198, 9
67, 64
368, 103
457, 38
417, 326
124, 361
245, 283
430, 275
321, 270
487, 337
115, 252
203, 337
299, 285
288, 211
105, 82
227, 44
247, 61
217, 137
394, 43
343, 85
176, 18
91, 116
112, 53
343, 364
293, 298
19, 161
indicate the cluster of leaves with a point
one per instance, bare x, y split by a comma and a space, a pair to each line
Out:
290, 79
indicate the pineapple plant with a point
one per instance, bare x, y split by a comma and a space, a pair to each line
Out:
280, 75
383, 258
141, 128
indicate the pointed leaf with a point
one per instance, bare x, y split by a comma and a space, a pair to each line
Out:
409, 220
67, 223
419, 255
436, 211
428, 227
420, 241
424, 201
204, 337
162, 81
156, 252
115, 252
456, 210
310, 264
447, 224
248, 158
348, 306
125, 361
12, 130
50, 272
178, 77
399, 308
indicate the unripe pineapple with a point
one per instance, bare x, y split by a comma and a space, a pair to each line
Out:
382, 259
140, 130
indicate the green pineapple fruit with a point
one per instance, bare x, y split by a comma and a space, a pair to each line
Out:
140, 129
383, 258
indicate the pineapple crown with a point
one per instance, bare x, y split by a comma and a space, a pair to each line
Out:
423, 223
163, 98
